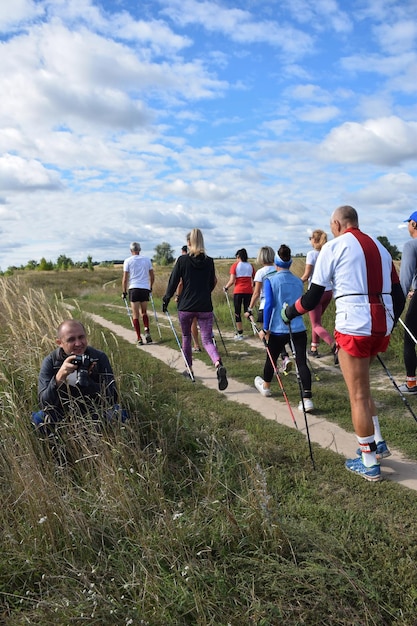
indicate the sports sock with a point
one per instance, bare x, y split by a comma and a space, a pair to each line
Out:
411, 381
146, 321
368, 454
137, 327
377, 430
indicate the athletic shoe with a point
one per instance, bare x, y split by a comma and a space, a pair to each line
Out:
382, 451
404, 388
239, 337
314, 354
372, 473
140, 342
259, 384
286, 365
148, 337
222, 378
308, 405
196, 349
186, 374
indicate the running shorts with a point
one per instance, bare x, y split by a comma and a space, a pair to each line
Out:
362, 347
139, 295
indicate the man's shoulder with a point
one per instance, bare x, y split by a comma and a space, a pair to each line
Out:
54, 357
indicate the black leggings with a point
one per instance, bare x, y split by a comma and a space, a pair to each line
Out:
276, 344
239, 300
410, 359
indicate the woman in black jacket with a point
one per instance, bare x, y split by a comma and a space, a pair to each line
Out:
196, 273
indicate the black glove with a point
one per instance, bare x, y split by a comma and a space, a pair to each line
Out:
124, 295
165, 302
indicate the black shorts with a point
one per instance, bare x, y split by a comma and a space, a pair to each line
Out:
139, 295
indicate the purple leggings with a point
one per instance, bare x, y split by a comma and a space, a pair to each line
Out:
205, 322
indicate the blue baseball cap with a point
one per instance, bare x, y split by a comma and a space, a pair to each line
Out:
413, 217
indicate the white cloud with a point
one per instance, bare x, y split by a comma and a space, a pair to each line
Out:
398, 37
19, 174
12, 14
239, 25
317, 115
386, 141
321, 13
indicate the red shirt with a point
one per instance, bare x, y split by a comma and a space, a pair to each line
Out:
244, 274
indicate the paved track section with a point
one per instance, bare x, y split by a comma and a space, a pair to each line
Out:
328, 435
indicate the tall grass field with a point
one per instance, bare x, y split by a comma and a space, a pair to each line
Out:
195, 511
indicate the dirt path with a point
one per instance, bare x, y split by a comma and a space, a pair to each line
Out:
328, 435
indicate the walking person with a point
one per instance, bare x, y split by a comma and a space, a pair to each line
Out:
281, 287
241, 278
196, 273
194, 325
369, 298
318, 239
138, 279
265, 258
408, 276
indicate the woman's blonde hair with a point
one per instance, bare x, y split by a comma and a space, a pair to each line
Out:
196, 242
319, 238
265, 256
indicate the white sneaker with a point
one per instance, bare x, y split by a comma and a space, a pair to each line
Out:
259, 384
286, 365
239, 337
404, 388
308, 405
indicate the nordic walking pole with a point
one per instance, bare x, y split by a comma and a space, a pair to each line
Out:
300, 384
403, 398
274, 367
408, 330
230, 309
129, 310
220, 334
190, 373
154, 314
313, 370
401, 322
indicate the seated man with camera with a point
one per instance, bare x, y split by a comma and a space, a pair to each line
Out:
75, 380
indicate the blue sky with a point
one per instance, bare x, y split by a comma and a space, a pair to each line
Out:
130, 121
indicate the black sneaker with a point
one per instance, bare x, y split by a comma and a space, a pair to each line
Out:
222, 378
335, 356
140, 342
314, 354
148, 338
187, 374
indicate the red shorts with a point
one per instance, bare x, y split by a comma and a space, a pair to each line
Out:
361, 347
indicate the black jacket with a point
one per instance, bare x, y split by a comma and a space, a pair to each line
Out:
100, 392
199, 279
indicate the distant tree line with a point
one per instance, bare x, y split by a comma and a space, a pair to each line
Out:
164, 255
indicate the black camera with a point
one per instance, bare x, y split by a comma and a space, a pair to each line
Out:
83, 363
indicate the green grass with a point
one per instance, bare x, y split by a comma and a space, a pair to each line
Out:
197, 510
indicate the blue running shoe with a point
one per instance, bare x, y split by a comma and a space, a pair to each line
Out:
382, 451
369, 473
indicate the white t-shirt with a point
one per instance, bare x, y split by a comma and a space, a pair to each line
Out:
311, 259
359, 268
138, 268
260, 276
